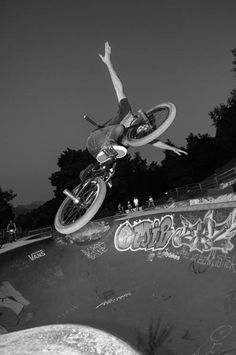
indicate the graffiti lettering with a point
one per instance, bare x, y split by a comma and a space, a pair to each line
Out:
144, 235
151, 256
196, 268
214, 260
221, 333
167, 254
113, 300
92, 252
205, 235
216, 337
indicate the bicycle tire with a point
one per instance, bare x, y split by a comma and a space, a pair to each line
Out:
74, 226
131, 134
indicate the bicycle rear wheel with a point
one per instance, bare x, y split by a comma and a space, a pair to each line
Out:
71, 217
160, 117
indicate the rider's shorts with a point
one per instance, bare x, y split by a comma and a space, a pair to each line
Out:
111, 132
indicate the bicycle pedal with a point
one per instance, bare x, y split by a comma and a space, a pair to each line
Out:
110, 152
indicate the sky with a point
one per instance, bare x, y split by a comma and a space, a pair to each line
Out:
51, 75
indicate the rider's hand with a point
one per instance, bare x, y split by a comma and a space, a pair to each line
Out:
106, 58
179, 151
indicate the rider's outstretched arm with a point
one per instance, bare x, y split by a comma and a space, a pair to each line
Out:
114, 77
161, 145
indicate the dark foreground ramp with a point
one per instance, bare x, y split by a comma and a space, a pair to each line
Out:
164, 281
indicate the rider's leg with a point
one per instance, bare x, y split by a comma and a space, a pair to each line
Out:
110, 148
106, 138
95, 141
86, 172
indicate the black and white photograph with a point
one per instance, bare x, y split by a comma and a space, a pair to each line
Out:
117, 177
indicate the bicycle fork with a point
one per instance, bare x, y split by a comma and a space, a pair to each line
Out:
77, 200
71, 196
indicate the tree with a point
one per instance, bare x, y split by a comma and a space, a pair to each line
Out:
42, 216
224, 119
6, 212
234, 61
71, 163
174, 169
130, 173
204, 156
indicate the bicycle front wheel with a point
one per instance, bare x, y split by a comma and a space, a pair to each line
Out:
160, 117
71, 217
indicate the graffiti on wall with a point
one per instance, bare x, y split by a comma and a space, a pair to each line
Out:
144, 234
212, 259
36, 255
216, 341
113, 300
94, 251
203, 235
12, 303
92, 231
206, 234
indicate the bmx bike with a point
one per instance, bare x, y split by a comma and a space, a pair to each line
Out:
82, 204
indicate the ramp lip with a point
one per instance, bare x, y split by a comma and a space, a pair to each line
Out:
21, 243
198, 207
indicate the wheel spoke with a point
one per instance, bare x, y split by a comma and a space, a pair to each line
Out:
156, 119
71, 214
141, 131
74, 211
70, 217
159, 116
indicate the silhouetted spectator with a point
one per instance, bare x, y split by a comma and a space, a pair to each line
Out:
150, 202
120, 208
135, 200
130, 207
11, 230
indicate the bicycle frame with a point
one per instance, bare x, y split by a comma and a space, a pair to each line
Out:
101, 170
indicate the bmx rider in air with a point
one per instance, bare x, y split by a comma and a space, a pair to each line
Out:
103, 143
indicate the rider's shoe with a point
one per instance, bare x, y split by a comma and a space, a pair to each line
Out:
111, 151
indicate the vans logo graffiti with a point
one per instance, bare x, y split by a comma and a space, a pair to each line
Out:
36, 255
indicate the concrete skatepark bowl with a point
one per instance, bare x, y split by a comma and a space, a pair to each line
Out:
161, 281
